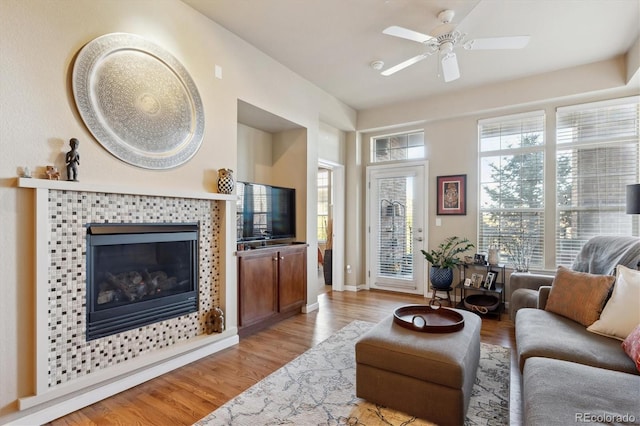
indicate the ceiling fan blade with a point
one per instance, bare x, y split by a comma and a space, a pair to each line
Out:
402, 65
515, 42
450, 69
406, 34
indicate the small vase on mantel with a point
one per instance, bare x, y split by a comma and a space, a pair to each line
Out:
226, 182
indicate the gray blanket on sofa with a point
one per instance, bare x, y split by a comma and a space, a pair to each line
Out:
600, 255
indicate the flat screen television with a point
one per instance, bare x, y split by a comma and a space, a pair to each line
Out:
265, 212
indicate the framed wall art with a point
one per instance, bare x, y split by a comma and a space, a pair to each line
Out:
452, 195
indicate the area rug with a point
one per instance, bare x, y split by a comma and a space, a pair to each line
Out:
318, 388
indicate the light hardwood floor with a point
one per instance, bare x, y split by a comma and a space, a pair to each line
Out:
187, 394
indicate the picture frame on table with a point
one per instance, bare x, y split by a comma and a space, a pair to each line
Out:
451, 195
477, 280
468, 282
479, 259
489, 282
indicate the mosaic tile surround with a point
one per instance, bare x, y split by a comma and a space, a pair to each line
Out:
70, 355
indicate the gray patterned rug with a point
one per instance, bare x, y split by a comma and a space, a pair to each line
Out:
318, 388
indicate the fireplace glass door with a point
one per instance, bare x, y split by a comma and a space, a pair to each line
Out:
139, 274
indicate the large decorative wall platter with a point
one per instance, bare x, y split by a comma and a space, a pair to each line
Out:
138, 101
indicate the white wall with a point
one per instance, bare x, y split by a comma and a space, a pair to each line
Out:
38, 42
331, 144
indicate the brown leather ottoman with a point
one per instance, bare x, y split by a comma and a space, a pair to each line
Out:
423, 374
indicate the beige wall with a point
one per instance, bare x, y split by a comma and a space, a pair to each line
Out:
38, 41
290, 170
450, 127
255, 157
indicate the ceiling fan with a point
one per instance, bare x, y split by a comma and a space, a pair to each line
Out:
443, 40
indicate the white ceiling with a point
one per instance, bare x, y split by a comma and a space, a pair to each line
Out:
332, 42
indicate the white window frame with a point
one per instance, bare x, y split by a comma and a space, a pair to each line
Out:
552, 147
606, 195
504, 240
372, 147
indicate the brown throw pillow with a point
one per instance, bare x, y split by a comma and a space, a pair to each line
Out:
579, 296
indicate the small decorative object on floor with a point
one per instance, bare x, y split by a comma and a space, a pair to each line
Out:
215, 321
73, 160
52, 173
226, 183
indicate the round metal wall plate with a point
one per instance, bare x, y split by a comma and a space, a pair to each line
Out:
138, 101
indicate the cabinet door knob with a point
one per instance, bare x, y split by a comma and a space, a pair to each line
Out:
275, 258
281, 257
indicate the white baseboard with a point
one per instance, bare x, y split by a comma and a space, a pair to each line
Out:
52, 407
355, 287
310, 308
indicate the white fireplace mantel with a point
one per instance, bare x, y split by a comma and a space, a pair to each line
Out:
115, 189
49, 403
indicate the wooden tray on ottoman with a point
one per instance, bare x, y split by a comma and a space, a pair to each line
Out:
427, 319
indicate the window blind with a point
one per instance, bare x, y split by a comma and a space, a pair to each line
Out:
597, 156
512, 187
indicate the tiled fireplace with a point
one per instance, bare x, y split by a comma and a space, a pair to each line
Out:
70, 353
70, 364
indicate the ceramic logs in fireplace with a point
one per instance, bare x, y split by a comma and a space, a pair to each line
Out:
138, 274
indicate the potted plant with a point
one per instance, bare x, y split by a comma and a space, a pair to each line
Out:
444, 258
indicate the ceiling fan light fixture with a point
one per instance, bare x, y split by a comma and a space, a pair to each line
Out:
446, 47
450, 69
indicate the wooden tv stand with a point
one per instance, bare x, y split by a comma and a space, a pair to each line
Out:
272, 285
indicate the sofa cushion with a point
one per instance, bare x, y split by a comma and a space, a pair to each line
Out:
631, 346
621, 314
540, 333
564, 393
578, 295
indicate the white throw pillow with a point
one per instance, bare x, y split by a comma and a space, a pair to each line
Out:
621, 314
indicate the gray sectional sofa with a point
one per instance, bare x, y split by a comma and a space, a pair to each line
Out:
571, 375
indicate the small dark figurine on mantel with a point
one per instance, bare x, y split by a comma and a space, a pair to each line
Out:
73, 160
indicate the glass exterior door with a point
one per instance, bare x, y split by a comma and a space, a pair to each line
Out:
396, 228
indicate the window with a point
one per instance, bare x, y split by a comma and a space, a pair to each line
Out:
512, 208
408, 146
594, 156
597, 156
